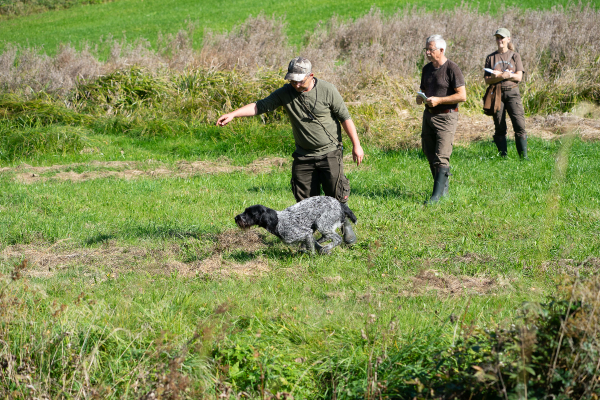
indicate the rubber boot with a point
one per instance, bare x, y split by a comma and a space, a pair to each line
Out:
349, 236
439, 183
447, 185
521, 142
500, 141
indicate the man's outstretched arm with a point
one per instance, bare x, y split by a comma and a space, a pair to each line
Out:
357, 152
249, 110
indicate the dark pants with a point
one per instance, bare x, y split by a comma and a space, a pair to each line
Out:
437, 137
511, 104
309, 174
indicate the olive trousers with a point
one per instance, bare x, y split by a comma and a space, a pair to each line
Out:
437, 137
513, 105
310, 174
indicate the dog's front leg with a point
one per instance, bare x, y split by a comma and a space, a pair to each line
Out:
335, 240
310, 244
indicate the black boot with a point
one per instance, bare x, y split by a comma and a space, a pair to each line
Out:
447, 185
521, 142
439, 183
349, 236
500, 141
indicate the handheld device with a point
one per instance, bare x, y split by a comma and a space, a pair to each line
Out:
422, 95
491, 71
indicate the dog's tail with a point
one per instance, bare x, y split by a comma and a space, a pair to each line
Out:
348, 212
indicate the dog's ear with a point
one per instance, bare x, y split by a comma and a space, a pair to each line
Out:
268, 219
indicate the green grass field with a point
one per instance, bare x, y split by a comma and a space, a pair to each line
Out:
124, 276
125, 258
146, 18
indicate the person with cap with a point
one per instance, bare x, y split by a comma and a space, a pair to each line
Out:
503, 93
443, 84
317, 114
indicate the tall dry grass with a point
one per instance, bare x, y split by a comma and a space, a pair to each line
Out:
374, 61
558, 46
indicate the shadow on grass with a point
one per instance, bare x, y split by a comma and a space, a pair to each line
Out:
150, 231
272, 252
99, 238
388, 193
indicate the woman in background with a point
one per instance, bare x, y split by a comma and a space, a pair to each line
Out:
507, 73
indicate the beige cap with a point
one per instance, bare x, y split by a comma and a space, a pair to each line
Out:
298, 69
502, 32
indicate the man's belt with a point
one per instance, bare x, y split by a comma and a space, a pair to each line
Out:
504, 89
446, 111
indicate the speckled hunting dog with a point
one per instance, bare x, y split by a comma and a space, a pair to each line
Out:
296, 224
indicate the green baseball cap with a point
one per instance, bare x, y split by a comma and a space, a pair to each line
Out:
502, 32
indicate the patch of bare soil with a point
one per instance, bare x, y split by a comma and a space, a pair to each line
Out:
240, 239
451, 285
112, 260
472, 128
132, 170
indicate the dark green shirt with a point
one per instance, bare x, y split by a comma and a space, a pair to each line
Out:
324, 102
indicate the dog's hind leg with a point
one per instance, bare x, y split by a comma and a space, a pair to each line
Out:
335, 241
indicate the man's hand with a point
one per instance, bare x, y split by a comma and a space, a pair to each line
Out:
248, 110
357, 154
224, 119
434, 101
419, 100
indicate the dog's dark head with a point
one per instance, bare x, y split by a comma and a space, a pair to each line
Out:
257, 215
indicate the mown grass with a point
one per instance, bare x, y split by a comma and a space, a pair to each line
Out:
128, 330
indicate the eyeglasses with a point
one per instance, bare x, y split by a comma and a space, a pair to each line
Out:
425, 49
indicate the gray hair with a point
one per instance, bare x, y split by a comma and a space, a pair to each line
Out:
439, 41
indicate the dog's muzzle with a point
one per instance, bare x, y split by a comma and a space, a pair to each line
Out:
239, 220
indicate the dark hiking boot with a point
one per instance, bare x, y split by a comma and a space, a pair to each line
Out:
349, 236
521, 142
500, 141
439, 183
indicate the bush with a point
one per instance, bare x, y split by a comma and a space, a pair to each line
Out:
30, 142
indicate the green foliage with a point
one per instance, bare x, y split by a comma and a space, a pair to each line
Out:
38, 112
199, 94
123, 91
61, 140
